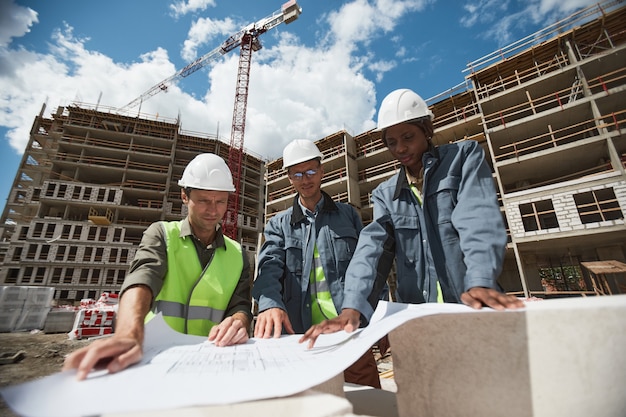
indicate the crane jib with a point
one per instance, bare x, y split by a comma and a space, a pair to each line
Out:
287, 14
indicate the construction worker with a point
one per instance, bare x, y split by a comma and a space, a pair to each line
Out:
437, 217
303, 260
188, 271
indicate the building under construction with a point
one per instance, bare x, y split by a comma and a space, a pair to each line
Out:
549, 111
90, 182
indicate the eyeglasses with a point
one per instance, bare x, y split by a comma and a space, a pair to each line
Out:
298, 176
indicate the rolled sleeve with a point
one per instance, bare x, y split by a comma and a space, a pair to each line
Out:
149, 265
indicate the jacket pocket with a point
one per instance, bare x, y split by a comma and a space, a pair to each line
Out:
344, 241
293, 270
404, 222
407, 231
443, 198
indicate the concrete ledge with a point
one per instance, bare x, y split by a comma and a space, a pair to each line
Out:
371, 401
306, 404
562, 357
333, 386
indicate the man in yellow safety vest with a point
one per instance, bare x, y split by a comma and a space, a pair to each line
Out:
187, 270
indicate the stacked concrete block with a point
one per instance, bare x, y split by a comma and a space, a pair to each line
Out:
60, 320
8, 318
24, 308
11, 303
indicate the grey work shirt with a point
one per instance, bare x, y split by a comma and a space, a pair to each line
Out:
149, 266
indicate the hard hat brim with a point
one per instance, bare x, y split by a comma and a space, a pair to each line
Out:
413, 120
301, 160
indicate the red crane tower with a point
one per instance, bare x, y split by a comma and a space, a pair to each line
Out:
247, 40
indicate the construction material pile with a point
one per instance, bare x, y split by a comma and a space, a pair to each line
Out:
24, 308
95, 318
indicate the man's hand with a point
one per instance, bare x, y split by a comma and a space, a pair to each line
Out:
270, 323
122, 349
119, 351
232, 330
348, 320
477, 297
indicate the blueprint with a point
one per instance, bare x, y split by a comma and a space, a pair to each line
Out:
180, 370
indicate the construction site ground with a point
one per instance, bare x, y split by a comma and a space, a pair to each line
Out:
26, 356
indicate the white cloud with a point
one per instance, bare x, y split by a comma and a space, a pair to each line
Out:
312, 93
483, 12
181, 8
380, 67
67, 73
563, 7
501, 22
296, 90
205, 30
360, 21
15, 21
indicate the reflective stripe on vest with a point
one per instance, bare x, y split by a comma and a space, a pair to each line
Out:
174, 309
322, 306
192, 300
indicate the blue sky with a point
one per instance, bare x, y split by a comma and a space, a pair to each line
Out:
324, 72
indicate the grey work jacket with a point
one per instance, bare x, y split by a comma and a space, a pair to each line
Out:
283, 272
458, 237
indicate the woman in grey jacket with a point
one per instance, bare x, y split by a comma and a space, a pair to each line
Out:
438, 217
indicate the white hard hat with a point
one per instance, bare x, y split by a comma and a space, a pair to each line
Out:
401, 106
207, 171
300, 150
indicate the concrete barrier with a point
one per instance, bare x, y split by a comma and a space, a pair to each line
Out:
562, 357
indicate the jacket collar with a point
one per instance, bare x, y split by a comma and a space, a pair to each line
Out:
297, 215
402, 182
185, 230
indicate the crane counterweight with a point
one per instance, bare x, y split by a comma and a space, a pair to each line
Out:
291, 11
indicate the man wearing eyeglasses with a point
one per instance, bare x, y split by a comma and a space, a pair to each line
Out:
302, 263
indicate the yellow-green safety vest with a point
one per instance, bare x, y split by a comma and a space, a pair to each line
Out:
322, 305
193, 301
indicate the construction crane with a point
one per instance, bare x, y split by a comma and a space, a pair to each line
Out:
247, 40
